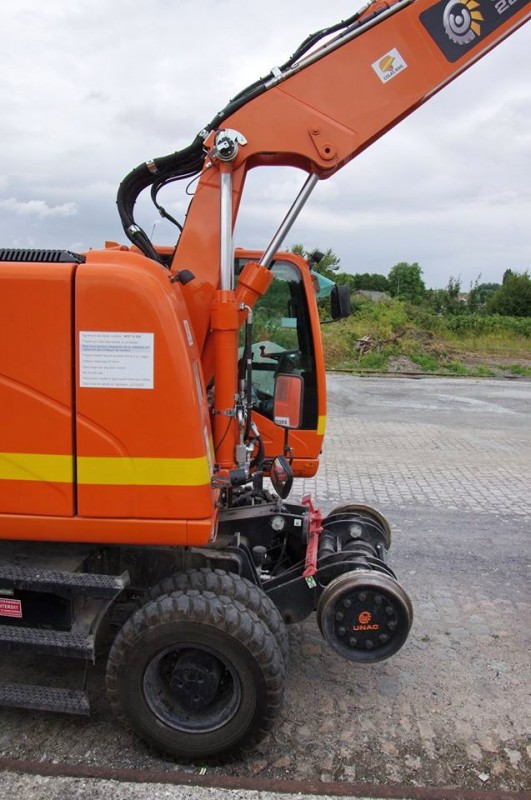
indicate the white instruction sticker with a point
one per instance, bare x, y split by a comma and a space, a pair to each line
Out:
116, 360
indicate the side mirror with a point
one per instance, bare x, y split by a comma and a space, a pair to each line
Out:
287, 409
281, 476
340, 302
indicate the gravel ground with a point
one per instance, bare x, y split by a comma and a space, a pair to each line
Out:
449, 463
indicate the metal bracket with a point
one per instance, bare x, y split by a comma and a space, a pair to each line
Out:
324, 147
227, 144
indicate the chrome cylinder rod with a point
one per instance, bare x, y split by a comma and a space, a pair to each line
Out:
226, 241
288, 221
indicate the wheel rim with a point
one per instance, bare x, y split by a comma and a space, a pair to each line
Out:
193, 689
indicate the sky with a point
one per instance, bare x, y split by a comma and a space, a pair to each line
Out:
91, 88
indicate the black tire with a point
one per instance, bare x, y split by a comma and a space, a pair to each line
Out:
227, 584
196, 675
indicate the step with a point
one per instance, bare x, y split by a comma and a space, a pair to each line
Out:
44, 698
48, 642
62, 582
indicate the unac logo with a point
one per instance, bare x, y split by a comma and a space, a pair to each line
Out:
364, 622
462, 21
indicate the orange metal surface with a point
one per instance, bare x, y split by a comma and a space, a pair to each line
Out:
168, 419
141, 456
107, 531
253, 281
224, 332
36, 388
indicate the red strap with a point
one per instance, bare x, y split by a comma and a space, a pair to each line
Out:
314, 530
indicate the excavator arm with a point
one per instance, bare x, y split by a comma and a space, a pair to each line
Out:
342, 89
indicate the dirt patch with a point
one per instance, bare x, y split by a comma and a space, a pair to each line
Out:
403, 364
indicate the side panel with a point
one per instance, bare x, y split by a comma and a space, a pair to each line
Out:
143, 431
36, 425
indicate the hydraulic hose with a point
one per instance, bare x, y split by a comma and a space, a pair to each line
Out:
181, 164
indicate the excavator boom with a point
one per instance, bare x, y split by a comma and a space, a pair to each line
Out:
323, 109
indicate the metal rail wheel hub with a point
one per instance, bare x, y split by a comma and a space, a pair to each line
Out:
365, 616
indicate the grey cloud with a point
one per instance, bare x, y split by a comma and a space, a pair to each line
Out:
38, 208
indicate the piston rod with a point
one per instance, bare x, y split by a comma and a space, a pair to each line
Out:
288, 221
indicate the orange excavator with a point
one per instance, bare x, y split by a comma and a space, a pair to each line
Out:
157, 403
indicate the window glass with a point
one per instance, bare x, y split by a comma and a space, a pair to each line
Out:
282, 342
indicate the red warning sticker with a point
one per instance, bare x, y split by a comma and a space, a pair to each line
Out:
10, 608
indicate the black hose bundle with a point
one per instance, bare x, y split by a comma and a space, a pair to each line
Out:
179, 165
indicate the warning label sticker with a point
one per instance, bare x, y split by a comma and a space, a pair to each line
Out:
10, 607
116, 360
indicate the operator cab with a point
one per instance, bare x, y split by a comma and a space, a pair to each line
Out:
282, 341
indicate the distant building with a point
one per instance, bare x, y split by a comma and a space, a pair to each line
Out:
377, 297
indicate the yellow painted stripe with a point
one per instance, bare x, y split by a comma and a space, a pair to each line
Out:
143, 471
114, 471
36, 467
321, 425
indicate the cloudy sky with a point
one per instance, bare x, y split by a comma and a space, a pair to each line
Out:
91, 88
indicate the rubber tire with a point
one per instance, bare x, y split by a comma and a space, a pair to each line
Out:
227, 584
219, 623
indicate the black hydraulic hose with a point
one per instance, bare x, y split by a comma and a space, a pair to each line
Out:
256, 88
182, 163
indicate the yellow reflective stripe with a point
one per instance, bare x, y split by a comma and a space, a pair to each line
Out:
321, 425
116, 471
36, 467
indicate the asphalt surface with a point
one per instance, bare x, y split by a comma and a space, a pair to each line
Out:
448, 461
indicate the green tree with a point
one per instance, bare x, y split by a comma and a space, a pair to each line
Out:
372, 282
405, 282
446, 301
345, 278
480, 293
326, 263
507, 274
513, 298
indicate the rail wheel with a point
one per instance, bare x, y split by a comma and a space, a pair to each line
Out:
364, 512
222, 583
196, 675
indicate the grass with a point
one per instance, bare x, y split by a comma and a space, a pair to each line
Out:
378, 362
411, 338
505, 344
427, 362
520, 369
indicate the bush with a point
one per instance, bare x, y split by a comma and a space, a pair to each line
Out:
479, 324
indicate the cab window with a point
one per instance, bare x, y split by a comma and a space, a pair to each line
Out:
282, 342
